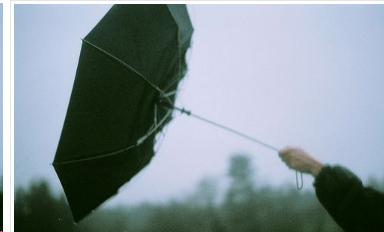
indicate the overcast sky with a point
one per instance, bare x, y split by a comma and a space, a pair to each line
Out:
308, 75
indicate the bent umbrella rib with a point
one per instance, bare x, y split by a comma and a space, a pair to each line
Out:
125, 65
138, 142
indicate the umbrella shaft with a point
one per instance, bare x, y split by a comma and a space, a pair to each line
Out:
236, 132
189, 113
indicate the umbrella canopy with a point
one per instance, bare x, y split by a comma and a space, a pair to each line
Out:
133, 59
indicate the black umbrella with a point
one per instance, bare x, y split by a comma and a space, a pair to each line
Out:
128, 73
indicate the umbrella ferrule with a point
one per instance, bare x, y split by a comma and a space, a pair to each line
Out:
167, 103
183, 111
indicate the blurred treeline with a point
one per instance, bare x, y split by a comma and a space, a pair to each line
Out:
244, 207
1, 195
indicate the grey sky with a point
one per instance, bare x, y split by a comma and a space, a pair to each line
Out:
308, 75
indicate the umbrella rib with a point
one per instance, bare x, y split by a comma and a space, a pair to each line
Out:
95, 157
170, 93
138, 142
125, 65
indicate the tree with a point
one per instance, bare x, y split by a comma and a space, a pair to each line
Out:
241, 174
1, 195
241, 204
39, 210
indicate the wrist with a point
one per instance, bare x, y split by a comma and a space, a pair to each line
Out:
316, 167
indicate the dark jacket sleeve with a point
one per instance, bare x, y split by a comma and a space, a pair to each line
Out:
353, 206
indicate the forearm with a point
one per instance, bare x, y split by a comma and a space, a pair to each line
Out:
352, 205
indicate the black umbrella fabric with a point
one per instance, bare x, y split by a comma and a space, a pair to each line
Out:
132, 60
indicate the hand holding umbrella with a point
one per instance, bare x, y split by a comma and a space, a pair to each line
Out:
299, 160
353, 206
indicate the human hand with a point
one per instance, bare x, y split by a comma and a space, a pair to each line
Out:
299, 160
